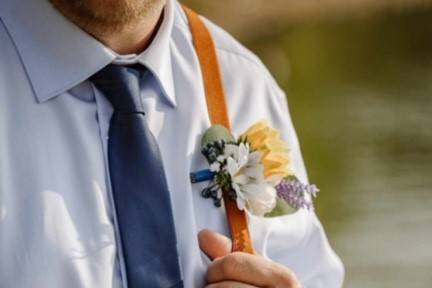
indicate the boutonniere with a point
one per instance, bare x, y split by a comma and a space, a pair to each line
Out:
256, 170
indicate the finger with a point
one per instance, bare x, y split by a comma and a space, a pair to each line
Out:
251, 269
240, 267
230, 284
213, 244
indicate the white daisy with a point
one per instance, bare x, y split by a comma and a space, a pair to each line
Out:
248, 181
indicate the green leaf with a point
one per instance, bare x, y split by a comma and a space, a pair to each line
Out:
291, 178
216, 133
282, 208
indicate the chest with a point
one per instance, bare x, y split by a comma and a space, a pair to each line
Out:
54, 184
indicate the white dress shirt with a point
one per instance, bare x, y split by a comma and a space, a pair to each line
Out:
57, 226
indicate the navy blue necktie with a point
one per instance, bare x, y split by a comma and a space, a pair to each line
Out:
141, 195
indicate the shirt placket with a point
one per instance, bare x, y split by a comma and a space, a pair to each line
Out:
104, 113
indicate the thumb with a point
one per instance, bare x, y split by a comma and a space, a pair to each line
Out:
213, 244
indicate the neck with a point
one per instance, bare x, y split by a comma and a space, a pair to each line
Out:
132, 39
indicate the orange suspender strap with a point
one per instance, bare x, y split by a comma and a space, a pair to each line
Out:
217, 109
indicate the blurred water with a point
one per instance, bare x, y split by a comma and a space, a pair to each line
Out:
360, 92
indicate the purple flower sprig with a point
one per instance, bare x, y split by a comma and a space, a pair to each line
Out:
297, 194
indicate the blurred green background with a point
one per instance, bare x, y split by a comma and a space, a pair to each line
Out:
358, 75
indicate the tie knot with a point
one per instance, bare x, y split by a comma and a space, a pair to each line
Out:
121, 86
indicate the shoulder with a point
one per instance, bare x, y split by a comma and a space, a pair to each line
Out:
251, 91
236, 61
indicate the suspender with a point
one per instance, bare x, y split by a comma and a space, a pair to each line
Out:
217, 109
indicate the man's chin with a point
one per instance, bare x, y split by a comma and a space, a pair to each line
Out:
106, 12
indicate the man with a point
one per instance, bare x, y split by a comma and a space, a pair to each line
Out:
62, 223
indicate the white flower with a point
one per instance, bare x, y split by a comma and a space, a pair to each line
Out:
260, 198
220, 158
215, 166
247, 175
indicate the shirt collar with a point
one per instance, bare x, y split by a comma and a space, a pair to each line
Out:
57, 55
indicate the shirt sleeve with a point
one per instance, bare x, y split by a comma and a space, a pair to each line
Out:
298, 240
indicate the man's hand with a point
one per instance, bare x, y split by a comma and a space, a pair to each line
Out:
241, 270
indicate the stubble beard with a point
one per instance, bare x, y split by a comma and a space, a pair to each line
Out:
105, 17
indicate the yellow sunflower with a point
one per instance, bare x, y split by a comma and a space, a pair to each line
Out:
274, 151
